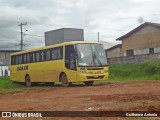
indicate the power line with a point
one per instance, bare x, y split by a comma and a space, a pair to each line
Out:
34, 35
58, 38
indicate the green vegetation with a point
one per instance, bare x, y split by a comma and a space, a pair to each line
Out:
131, 72
121, 72
6, 85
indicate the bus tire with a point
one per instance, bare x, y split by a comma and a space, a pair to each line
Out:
28, 81
89, 83
64, 80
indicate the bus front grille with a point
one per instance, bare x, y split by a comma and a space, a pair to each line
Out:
95, 77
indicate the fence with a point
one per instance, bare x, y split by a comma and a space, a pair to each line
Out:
134, 59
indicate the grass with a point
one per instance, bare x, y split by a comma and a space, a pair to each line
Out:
117, 73
6, 85
132, 72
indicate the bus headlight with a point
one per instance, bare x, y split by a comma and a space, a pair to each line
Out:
83, 72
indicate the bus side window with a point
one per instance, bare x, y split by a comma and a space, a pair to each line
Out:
25, 58
28, 58
16, 60
47, 55
31, 57
60, 53
41, 56
37, 57
20, 59
34, 59
13, 60
54, 54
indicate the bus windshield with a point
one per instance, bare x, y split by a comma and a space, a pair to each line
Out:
91, 55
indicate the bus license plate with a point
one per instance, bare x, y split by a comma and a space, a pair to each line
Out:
96, 76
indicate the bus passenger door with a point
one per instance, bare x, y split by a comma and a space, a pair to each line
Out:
70, 62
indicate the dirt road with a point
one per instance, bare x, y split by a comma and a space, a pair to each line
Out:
140, 95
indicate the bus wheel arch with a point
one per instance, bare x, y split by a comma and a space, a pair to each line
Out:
28, 80
61, 76
64, 80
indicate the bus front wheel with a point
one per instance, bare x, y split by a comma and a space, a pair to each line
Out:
28, 81
64, 80
89, 83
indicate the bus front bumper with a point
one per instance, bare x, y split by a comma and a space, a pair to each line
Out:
92, 77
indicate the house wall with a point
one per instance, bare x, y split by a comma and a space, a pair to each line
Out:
4, 63
116, 52
142, 40
4, 58
4, 71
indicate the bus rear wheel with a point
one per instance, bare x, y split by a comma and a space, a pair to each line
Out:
89, 83
64, 80
28, 81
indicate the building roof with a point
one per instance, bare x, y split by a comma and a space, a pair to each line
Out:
107, 44
13, 48
9, 50
116, 46
137, 29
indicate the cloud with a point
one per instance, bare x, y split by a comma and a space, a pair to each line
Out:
111, 18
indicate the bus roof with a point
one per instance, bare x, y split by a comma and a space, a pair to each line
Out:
55, 45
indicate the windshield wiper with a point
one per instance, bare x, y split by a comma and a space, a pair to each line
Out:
95, 57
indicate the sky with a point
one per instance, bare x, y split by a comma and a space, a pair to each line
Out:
111, 18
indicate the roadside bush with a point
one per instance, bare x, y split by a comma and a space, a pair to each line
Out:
152, 68
144, 71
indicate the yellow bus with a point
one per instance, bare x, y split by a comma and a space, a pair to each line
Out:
67, 62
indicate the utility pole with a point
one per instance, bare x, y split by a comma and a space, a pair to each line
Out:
21, 43
98, 36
